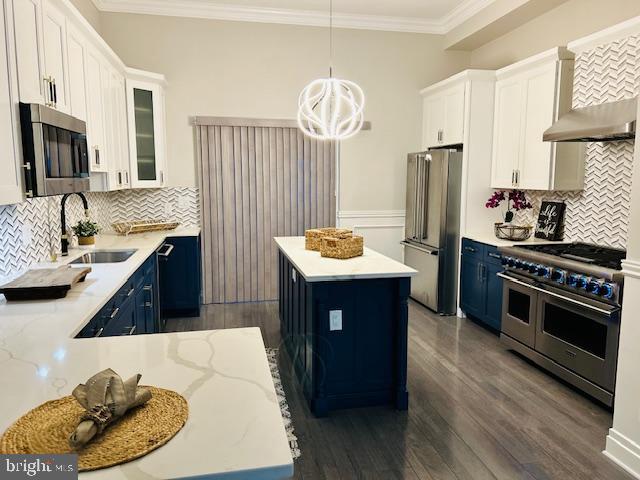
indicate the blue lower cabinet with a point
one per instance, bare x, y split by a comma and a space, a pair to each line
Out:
480, 286
132, 310
493, 283
180, 277
471, 288
124, 322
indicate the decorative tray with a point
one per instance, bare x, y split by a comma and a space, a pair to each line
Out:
140, 226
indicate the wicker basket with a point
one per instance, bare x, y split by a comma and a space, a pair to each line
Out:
140, 226
515, 233
313, 237
343, 248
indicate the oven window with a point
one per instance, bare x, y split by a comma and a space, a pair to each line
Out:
519, 305
575, 329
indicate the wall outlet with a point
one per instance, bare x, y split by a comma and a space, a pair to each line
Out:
335, 320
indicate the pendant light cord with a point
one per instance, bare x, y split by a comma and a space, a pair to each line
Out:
330, 38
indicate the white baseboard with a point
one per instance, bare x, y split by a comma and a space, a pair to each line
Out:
383, 230
624, 452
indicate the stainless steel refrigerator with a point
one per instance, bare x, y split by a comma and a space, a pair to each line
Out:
433, 227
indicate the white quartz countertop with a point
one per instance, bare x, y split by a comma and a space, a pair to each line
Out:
489, 238
315, 268
235, 428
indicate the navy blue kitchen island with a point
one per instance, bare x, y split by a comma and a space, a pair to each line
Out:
344, 326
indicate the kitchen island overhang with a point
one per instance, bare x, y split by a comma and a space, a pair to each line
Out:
344, 325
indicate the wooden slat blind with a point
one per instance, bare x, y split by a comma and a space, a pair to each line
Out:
257, 183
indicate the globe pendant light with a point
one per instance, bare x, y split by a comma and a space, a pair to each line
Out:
331, 108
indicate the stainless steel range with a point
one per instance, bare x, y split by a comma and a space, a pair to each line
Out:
561, 309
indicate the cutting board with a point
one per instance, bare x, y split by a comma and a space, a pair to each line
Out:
44, 283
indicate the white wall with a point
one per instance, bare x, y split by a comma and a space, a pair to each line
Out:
257, 70
90, 12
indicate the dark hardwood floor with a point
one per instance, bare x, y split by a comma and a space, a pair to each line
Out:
476, 411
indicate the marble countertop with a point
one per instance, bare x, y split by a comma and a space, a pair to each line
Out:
489, 238
315, 268
235, 427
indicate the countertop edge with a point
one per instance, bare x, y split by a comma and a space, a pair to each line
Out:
344, 277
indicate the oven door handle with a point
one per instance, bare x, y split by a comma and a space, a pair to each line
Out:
603, 311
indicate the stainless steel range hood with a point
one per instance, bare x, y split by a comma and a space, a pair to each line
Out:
598, 123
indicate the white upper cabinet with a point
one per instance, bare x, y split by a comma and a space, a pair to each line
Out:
95, 111
54, 27
10, 171
145, 104
77, 74
530, 96
443, 114
27, 19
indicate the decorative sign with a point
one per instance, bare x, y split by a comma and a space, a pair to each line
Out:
550, 224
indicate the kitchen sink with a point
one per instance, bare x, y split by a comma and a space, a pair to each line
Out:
105, 256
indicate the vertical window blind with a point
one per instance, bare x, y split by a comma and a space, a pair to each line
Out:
258, 180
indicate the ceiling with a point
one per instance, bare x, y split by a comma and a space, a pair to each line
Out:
424, 16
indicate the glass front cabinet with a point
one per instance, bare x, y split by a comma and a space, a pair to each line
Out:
145, 105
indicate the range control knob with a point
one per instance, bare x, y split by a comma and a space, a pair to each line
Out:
533, 268
594, 287
511, 262
505, 260
559, 276
544, 271
572, 280
582, 282
606, 290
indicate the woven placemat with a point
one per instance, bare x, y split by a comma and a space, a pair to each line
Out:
46, 429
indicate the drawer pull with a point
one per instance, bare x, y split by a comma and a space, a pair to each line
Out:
147, 288
115, 312
470, 249
495, 255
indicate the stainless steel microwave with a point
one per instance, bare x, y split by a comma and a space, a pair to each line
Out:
55, 153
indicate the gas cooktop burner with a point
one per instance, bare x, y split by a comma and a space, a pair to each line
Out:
582, 252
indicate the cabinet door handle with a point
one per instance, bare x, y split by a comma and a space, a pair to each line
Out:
147, 288
119, 177
99, 332
517, 177
495, 255
167, 252
470, 249
55, 93
130, 332
96, 154
130, 292
126, 176
114, 314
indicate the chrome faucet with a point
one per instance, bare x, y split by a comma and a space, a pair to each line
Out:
64, 241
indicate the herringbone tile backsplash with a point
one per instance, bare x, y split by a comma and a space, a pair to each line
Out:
28, 230
600, 213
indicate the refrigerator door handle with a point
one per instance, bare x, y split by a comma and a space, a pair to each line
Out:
416, 201
425, 192
422, 248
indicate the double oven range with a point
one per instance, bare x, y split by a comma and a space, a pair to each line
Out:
561, 309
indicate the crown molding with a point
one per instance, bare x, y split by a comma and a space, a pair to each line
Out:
220, 11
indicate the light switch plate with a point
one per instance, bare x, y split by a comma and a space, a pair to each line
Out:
335, 320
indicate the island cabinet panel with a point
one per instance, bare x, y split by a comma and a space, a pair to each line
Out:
358, 361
